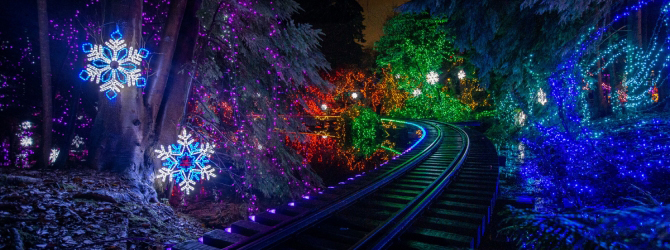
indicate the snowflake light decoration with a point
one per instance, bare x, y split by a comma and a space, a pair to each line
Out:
541, 97
114, 64
416, 92
77, 141
53, 155
432, 78
521, 118
461, 75
186, 162
26, 125
26, 141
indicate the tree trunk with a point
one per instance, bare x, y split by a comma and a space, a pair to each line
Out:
178, 86
639, 27
66, 144
156, 89
121, 124
125, 131
45, 62
602, 99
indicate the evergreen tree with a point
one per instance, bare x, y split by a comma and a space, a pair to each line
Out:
253, 63
415, 45
501, 37
342, 25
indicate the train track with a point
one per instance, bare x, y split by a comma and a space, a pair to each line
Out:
403, 204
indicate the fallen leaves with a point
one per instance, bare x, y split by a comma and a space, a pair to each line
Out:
85, 210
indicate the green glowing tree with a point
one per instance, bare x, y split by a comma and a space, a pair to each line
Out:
501, 36
515, 46
414, 45
363, 129
418, 48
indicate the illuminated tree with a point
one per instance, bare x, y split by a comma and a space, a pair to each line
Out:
414, 45
363, 130
256, 71
392, 97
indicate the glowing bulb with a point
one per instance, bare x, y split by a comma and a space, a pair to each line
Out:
324, 107
354, 95
461, 74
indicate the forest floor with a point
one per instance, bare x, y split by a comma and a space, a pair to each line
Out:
84, 210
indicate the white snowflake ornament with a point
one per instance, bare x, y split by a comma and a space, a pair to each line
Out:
416, 92
53, 155
461, 75
432, 78
186, 162
77, 141
541, 97
114, 65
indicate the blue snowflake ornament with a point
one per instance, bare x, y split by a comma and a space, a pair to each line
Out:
114, 65
186, 162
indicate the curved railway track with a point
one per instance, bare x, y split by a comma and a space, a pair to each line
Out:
438, 194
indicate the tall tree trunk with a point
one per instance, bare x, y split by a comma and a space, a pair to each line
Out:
125, 130
639, 27
602, 99
171, 114
122, 124
45, 62
66, 144
166, 49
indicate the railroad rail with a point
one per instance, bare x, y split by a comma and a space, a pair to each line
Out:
438, 193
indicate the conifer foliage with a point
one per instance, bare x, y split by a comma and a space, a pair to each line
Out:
253, 62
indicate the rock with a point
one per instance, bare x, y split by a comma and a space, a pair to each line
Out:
14, 179
16, 238
67, 240
98, 195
